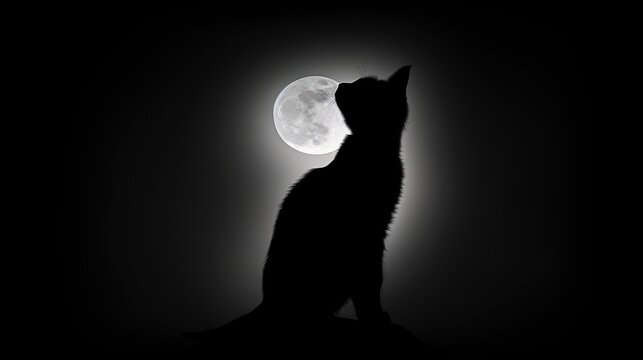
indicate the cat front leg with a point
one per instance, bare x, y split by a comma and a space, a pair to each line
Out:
366, 296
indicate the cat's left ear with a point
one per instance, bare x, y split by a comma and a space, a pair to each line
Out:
400, 78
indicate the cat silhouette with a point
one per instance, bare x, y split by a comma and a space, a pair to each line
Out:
328, 240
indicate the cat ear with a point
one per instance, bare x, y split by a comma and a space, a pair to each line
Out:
400, 78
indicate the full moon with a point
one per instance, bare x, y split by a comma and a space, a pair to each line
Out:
307, 118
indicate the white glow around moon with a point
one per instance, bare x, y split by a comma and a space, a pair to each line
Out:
307, 118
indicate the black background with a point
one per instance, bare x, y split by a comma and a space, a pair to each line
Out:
147, 195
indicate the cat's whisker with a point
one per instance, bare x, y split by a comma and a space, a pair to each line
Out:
361, 70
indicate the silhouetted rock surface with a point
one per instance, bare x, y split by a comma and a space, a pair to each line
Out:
335, 337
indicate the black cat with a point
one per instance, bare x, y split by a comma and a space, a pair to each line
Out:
328, 241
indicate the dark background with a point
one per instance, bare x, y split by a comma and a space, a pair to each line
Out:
159, 192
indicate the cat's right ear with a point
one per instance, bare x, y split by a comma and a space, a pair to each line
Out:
400, 78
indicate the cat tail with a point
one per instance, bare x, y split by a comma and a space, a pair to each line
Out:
245, 323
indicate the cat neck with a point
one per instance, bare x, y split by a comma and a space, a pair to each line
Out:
367, 149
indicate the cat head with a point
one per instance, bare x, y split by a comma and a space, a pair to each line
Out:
371, 106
